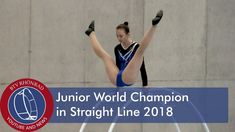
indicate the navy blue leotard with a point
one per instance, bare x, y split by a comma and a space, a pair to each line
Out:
123, 57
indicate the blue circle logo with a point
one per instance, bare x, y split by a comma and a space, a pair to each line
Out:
27, 105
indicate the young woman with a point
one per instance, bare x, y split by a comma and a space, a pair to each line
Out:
126, 72
125, 51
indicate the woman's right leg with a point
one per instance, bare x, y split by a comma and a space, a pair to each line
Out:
110, 66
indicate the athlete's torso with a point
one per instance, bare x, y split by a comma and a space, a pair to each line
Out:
123, 56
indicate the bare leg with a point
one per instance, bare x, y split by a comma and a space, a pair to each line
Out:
131, 72
110, 66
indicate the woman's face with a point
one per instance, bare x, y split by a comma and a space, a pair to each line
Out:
122, 36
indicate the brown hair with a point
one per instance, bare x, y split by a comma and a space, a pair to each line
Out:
124, 26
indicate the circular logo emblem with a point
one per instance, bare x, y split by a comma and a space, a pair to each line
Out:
26, 105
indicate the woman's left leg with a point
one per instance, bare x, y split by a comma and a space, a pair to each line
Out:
131, 72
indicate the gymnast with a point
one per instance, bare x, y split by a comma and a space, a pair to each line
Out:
129, 54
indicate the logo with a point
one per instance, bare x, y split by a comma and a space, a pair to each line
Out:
26, 105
